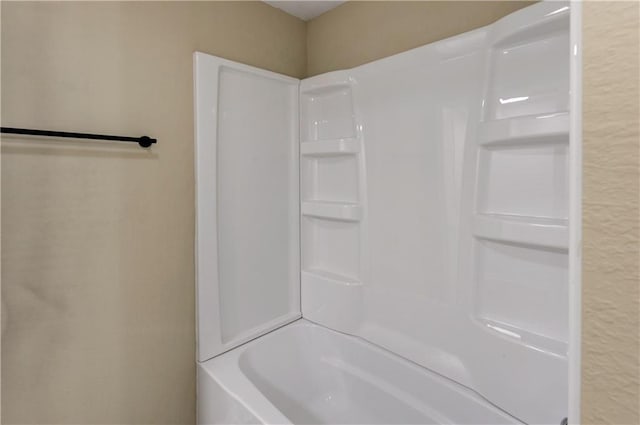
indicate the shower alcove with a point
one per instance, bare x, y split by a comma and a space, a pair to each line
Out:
391, 243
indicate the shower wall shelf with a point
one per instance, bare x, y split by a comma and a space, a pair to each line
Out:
552, 233
332, 299
330, 147
526, 129
519, 236
332, 210
530, 339
326, 83
333, 277
332, 206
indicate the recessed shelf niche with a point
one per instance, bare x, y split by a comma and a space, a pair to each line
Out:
523, 287
524, 180
330, 178
523, 79
332, 247
327, 113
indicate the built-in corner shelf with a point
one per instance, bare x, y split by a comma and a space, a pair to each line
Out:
331, 192
525, 337
330, 147
545, 232
526, 129
325, 83
331, 299
325, 90
334, 278
332, 210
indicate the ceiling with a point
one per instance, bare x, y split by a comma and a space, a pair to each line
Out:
305, 9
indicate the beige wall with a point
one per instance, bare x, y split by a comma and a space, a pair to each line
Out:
611, 300
358, 32
97, 240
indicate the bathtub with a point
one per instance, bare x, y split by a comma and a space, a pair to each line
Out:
304, 373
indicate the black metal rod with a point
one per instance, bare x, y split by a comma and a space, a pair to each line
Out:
143, 141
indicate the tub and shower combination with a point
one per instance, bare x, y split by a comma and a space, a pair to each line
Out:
389, 244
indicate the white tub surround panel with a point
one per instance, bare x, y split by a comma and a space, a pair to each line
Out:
433, 216
248, 272
459, 169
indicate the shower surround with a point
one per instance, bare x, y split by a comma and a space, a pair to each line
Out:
415, 209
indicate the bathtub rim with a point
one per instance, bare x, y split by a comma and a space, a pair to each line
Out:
226, 372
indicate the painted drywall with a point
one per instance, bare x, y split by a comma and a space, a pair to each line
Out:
358, 32
98, 239
611, 152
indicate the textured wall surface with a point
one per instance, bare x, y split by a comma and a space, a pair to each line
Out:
611, 300
97, 239
358, 32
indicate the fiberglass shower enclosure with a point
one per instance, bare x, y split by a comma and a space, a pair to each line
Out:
419, 202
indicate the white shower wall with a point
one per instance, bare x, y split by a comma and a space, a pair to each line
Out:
247, 215
434, 207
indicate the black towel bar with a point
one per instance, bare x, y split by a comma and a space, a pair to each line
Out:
143, 141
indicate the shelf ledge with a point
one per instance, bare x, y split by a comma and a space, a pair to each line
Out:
528, 129
327, 83
522, 336
551, 233
330, 147
332, 210
334, 278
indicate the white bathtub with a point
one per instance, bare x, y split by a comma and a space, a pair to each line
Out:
303, 373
